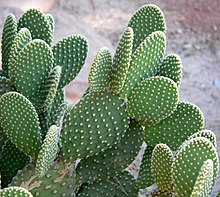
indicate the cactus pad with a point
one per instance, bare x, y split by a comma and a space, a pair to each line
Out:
153, 99
207, 134
12, 160
17, 110
203, 184
174, 130
38, 24
22, 38
185, 172
57, 101
70, 53
59, 115
8, 35
112, 161
122, 185
171, 67
97, 122
15, 192
33, 65
56, 183
145, 177
48, 90
147, 19
48, 151
99, 76
145, 61
121, 61
161, 164
51, 21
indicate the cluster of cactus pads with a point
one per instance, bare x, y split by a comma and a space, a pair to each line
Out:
48, 148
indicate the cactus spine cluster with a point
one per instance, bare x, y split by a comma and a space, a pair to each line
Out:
50, 148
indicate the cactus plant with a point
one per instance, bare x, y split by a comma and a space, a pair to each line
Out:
85, 149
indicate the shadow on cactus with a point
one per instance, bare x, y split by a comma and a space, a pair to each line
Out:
50, 148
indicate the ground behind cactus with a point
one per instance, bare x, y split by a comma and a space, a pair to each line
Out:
193, 30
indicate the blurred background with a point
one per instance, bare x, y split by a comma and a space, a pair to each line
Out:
193, 32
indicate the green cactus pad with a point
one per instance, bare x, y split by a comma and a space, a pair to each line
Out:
38, 24
122, 185
147, 19
57, 101
99, 76
70, 53
59, 115
174, 130
48, 151
97, 122
8, 36
51, 21
12, 160
145, 61
44, 119
32, 67
188, 162
22, 38
19, 121
48, 90
121, 61
56, 183
145, 177
203, 184
4, 85
207, 134
153, 99
114, 160
171, 67
161, 164
15, 192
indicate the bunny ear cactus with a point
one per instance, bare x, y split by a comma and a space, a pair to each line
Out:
15, 192
70, 53
100, 118
182, 123
199, 149
8, 35
84, 150
58, 181
99, 76
27, 133
39, 24
121, 61
146, 20
179, 174
22, 38
112, 161
30, 96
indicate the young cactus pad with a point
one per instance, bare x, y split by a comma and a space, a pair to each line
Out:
17, 110
185, 173
38, 24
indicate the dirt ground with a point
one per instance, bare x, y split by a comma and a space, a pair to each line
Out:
193, 32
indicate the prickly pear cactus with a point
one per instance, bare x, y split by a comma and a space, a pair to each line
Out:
85, 149
31, 100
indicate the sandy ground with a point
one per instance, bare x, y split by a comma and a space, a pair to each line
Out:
193, 32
